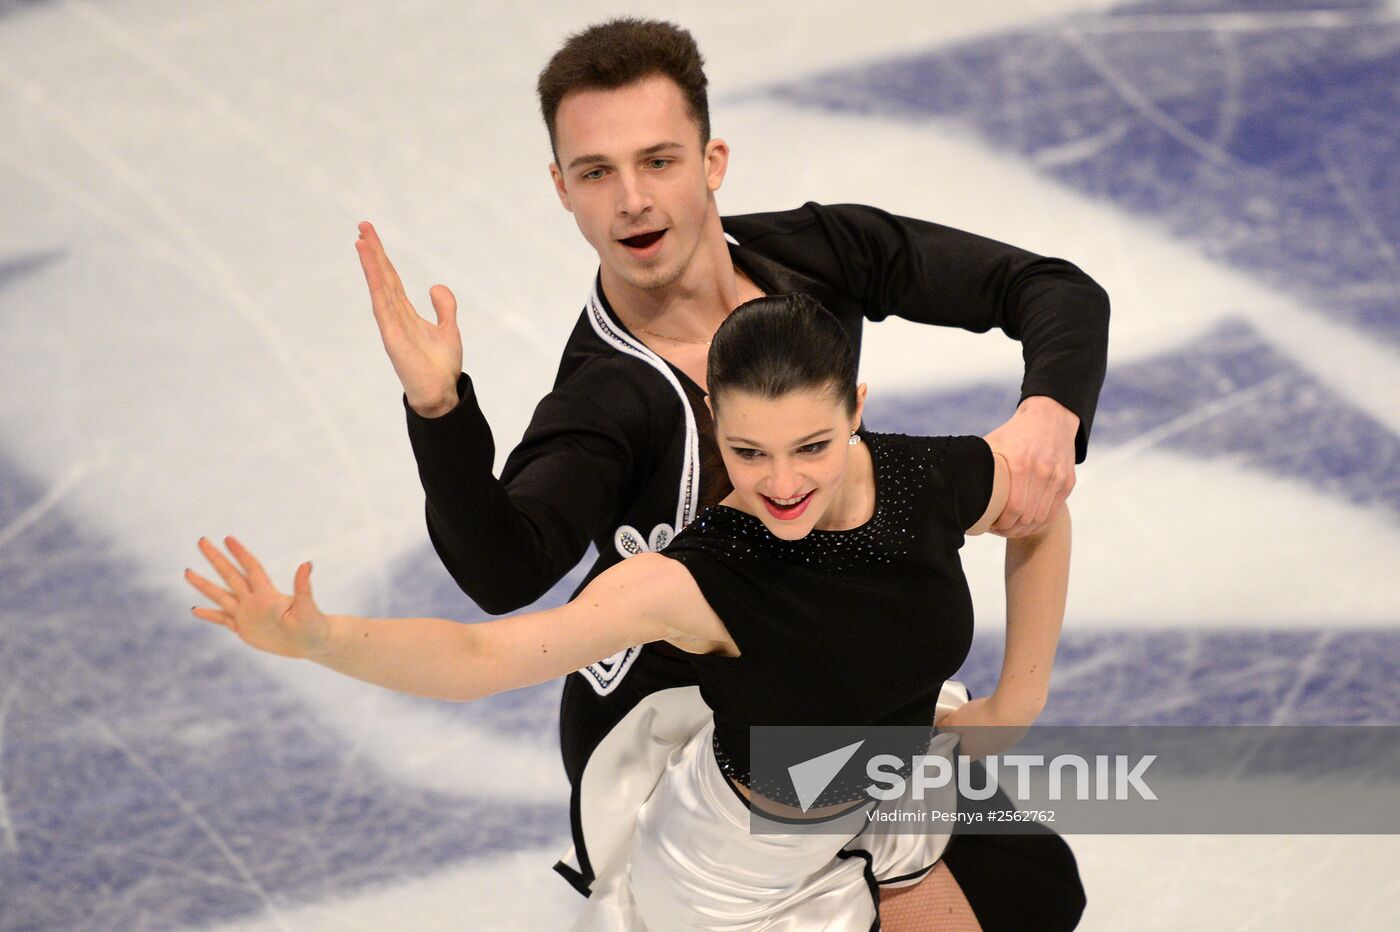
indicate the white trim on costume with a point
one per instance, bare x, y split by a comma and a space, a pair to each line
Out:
604, 675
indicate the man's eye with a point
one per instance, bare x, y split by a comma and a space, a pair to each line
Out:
658, 163
593, 175
817, 447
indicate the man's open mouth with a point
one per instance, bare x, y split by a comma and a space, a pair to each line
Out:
643, 240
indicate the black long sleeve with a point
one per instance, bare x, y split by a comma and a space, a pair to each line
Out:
506, 541
933, 274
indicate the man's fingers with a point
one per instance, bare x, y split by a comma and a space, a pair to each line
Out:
1053, 492
1015, 500
378, 271
1033, 515
1043, 501
371, 253
374, 279
257, 576
445, 304
393, 312
384, 286
1007, 521
391, 281
1048, 506
1037, 500
380, 301
226, 570
213, 593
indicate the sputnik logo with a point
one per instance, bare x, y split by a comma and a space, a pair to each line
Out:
811, 777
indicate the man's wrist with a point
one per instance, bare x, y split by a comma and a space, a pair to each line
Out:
1045, 406
438, 408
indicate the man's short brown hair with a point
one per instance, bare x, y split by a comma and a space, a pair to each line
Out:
621, 52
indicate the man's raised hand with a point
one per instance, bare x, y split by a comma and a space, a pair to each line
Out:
426, 356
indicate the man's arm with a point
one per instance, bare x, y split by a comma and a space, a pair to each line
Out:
505, 541
929, 273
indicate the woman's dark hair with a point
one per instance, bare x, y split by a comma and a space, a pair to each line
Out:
778, 344
620, 52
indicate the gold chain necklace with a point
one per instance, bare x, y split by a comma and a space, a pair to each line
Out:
665, 336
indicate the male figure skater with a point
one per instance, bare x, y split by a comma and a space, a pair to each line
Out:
616, 454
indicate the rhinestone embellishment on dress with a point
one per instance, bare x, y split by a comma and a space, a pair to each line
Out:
902, 467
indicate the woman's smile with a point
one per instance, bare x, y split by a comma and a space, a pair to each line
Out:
786, 509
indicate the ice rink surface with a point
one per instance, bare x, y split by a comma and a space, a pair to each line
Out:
186, 349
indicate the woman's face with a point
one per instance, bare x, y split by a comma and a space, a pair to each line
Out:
786, 457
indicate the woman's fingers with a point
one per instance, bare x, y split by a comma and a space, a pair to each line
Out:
257, 577
213, 593
218, 618
226, 570
301, 584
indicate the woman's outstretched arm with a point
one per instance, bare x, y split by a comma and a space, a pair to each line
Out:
643, 599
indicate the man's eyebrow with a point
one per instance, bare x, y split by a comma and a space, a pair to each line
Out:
805, 440
641, 153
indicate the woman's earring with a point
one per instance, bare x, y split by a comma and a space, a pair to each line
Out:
855, 438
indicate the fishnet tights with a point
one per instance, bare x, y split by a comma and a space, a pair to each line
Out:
936, 902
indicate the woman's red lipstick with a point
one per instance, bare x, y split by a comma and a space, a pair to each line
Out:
787, 512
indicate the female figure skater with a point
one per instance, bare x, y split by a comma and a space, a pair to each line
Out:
825, 589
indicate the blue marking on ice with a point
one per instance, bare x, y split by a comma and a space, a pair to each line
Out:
14, 268
1241, 6
1268, 414
1272, 146
148, 770
9, 6
1214, 677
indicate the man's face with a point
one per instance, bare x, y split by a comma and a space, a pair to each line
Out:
632, 172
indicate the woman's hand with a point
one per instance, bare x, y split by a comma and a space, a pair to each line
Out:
252, 608
988, 725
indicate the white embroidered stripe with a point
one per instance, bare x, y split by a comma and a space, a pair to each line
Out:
690, 469
605, 675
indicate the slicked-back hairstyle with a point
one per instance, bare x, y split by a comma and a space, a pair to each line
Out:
620, 52
778, 344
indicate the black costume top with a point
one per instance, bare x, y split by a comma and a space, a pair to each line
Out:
612, 455
853, 627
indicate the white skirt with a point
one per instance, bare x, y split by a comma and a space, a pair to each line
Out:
670, 844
